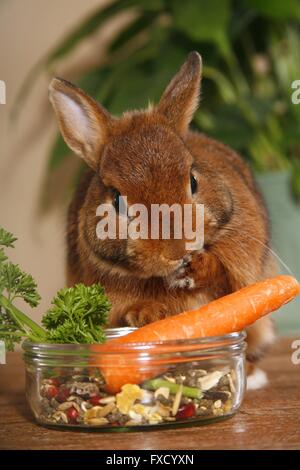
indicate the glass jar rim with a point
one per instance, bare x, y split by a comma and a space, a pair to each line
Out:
235, 340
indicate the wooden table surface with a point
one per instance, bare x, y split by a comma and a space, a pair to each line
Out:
268, 419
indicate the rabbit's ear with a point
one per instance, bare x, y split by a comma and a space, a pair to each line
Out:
83, 123
180, 99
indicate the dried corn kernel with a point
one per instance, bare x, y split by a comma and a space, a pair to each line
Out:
126, 398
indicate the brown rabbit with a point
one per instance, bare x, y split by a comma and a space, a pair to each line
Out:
151, 156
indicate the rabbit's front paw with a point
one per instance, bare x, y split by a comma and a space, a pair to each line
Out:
182, 278
182, 281
141, 314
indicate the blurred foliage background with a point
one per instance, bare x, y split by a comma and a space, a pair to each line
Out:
251, 55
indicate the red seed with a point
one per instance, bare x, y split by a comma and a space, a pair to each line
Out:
50, 391
55, 382
72, 415
62, 395
187, 411
95, 400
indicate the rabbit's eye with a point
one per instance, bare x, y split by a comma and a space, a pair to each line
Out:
116, 199
194, 183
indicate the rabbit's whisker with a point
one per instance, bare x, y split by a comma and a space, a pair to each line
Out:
273, 252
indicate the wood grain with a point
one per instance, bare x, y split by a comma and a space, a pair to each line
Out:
268, 419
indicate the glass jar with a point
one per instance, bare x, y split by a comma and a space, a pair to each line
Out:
160, 384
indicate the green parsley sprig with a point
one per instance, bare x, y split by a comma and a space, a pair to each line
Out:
77, 314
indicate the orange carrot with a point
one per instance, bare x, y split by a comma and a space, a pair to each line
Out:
224, 315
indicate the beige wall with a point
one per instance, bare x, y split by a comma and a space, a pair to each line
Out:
28, 29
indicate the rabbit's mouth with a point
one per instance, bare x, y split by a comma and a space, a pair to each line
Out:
142, 270
158, 267
135, 265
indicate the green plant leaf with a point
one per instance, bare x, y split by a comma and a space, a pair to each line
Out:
58, 153
93, 79
133, 91
229, 126
223, 84
202, 20
146, 73
20, 284
295, 182
163, 70
6, 238
132, 82
278, 9
137, 26
95, 20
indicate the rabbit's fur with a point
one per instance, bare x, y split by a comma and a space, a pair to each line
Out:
148, 156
